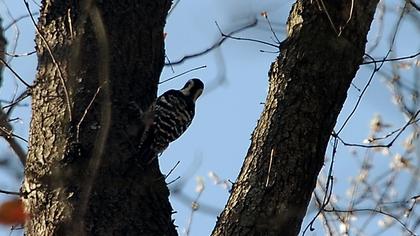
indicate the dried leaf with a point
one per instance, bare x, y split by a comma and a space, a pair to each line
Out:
12, 212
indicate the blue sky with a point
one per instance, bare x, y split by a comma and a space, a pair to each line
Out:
226, 114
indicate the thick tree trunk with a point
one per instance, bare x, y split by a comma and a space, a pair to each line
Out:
308, 86
99, 64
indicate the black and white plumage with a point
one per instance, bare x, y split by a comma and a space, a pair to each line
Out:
172, 113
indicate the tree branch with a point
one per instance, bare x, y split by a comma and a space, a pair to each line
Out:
307, 89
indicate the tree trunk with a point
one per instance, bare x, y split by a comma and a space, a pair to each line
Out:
308, 86
99, 65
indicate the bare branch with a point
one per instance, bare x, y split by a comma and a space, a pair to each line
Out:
19, 55
9, 192
412, 120
215, 45
15, 73
373, 61
244, 39
85, 113
359, 99
16, 20
374, 211
183, 73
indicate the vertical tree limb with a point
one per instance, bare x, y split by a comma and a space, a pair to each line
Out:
84, 177
308, 86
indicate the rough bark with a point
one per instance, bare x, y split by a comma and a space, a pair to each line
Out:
83, 173
308, 86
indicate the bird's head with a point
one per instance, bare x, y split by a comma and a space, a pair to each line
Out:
193, 88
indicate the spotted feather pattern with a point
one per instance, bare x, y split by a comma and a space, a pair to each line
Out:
173, 113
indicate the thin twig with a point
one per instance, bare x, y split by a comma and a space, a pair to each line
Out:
15, 20
265, 15
170, 63
412, 120
15, 73
269, 168
85, 113
6, 132
9, 192
9, 134
359, 99
172, 169
376, 69
183, 73
174, 180
18, 55
194, 207
328, 189
392, 59
215, 45
375, 211
244, 39
13, 104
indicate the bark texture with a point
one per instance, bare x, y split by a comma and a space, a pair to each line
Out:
308, 85
83, 173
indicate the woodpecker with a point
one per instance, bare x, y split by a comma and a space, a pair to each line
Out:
172, 113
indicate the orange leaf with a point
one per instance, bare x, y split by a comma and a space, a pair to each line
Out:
12, 212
